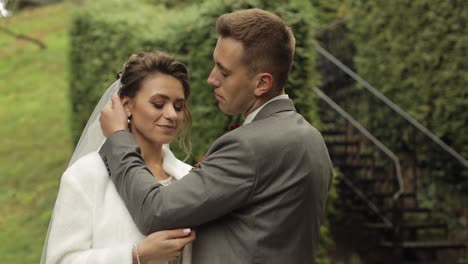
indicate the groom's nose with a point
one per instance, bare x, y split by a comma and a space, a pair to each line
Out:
212, 79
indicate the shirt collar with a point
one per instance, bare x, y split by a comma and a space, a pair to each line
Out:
252, 115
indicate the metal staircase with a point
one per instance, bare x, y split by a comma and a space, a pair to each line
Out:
394, 190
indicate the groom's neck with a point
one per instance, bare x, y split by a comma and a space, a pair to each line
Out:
261, 100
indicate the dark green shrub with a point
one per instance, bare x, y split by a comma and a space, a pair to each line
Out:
414, 52
107, 32
103, 36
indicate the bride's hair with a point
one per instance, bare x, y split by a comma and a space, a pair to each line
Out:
144, 64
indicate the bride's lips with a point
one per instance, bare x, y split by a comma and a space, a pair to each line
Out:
168, 128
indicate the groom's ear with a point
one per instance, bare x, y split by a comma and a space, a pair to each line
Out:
264, 82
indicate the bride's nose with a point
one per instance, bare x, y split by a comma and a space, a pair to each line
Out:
170, 113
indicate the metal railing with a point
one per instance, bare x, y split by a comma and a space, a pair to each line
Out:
392, 105
368, 135
433, 170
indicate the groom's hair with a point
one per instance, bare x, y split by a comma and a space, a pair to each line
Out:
144, 64
268, 42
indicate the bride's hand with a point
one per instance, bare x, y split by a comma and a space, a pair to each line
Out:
164, 245
113, 117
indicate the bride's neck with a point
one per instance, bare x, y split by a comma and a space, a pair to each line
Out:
152, 154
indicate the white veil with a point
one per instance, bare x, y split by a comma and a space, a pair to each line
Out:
91, 140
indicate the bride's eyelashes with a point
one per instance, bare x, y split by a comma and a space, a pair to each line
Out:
158, 105
178, 106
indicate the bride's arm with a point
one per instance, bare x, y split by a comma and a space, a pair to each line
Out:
71, 230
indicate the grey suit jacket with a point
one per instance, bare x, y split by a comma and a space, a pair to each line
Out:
258, 197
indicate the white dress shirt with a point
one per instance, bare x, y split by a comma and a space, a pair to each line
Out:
250, 117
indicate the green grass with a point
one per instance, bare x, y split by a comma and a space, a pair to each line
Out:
35, 130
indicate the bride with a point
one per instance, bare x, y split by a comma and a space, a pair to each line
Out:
90, 223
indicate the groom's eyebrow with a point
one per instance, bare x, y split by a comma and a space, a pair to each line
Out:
166, 97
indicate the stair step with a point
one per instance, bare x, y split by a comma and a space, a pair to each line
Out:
347, 143
390, 195
359, 166
331, 133
432, 245
437, 262
344, 155
358, 209
337, 137
374, 180
410, 210
382, 226
332, 117
362, 162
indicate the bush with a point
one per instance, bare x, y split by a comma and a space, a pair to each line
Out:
413, 51
107, 32
103, 36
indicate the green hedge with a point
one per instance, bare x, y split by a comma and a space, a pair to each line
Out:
107, 32
100, 44
415, 53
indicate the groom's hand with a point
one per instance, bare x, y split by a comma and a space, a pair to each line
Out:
113, 117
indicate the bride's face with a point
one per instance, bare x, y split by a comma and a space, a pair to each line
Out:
157, 109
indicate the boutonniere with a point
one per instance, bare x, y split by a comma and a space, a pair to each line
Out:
233, 126
197, 165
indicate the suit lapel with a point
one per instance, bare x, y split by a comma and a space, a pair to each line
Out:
274, 107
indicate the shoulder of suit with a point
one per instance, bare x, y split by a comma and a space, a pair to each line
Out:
239, 138
280, 126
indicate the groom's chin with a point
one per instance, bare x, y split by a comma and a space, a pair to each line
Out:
226, 110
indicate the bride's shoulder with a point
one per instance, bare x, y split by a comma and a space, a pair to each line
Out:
92, 158
90, 165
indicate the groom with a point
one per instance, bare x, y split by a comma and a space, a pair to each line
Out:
259, 196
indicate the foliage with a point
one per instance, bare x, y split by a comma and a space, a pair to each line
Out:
413, 51
36, 144
17, 5
333, 35
172, 3
101, 41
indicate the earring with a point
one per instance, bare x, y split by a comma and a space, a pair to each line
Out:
129, 118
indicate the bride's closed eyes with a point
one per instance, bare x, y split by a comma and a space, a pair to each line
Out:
161, 100
178, 106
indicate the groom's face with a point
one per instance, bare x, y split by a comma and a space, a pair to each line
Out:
233, 86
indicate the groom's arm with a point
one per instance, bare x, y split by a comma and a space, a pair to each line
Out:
222, 183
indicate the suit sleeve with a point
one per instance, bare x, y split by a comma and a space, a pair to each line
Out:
223, 182
71, 230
